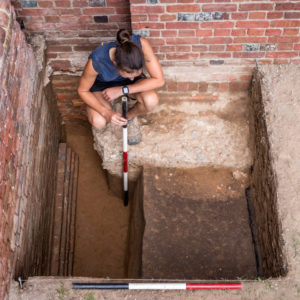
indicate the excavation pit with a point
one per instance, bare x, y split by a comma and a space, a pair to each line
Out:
155, 221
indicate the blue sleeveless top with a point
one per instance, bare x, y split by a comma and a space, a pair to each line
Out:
102, 63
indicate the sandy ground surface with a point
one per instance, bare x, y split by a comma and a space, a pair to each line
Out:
183, 134
101, 219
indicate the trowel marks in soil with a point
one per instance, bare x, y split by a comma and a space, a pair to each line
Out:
196, 225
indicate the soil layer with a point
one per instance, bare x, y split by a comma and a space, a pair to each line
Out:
101, 218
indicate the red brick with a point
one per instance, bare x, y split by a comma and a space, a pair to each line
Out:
182, 56
60, 65
297, 47
217, 48
219, 7
69, 12
257, 15
226, 24
52, 19
248, 54
183, 8
255, 31
185, 1
250, 39
80, 3
281, 54
216, 40
53, 48
284, 6
118, 18
64, 3
191, 33
234, 47
167, 48
213, 55
281, 61
155, 25
148, 9
155, 33
290, 31
256, 6
156, 41
99, 11
167, 33
285, 46
292, 15
273, 31
199, 48
222, 32
182, 25
138, 1
183, 86
139, 18
122, 10
238, 32
204, 33
274, 15
172, 86
285, 23
183, 49
168, 17
239, 16
284, 39
192, 86
183, 41
252, 24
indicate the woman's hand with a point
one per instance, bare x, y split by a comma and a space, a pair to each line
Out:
112, 93
116, 119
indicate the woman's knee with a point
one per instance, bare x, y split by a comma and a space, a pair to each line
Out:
150, 100
97, 121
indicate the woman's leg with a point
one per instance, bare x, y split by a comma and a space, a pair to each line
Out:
96, 119
146, 101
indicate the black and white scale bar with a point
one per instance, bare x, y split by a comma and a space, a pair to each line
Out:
157, 286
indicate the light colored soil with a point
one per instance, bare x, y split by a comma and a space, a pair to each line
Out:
183, 134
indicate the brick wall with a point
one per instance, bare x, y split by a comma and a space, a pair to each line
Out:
29, 136
220, 29
218, 40
73, 28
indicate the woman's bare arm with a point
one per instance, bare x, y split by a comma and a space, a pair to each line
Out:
86, 81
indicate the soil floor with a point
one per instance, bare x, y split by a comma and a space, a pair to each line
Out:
101, 218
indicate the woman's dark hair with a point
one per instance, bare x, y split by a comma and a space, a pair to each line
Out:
129, 55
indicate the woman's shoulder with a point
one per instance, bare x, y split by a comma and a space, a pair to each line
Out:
102, 50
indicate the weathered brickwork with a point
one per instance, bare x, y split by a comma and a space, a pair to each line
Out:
29, 137
213, 29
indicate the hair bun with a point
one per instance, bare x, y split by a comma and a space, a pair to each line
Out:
123, 36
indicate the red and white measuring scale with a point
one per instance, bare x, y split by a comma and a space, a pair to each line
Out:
159, 286
125, 149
